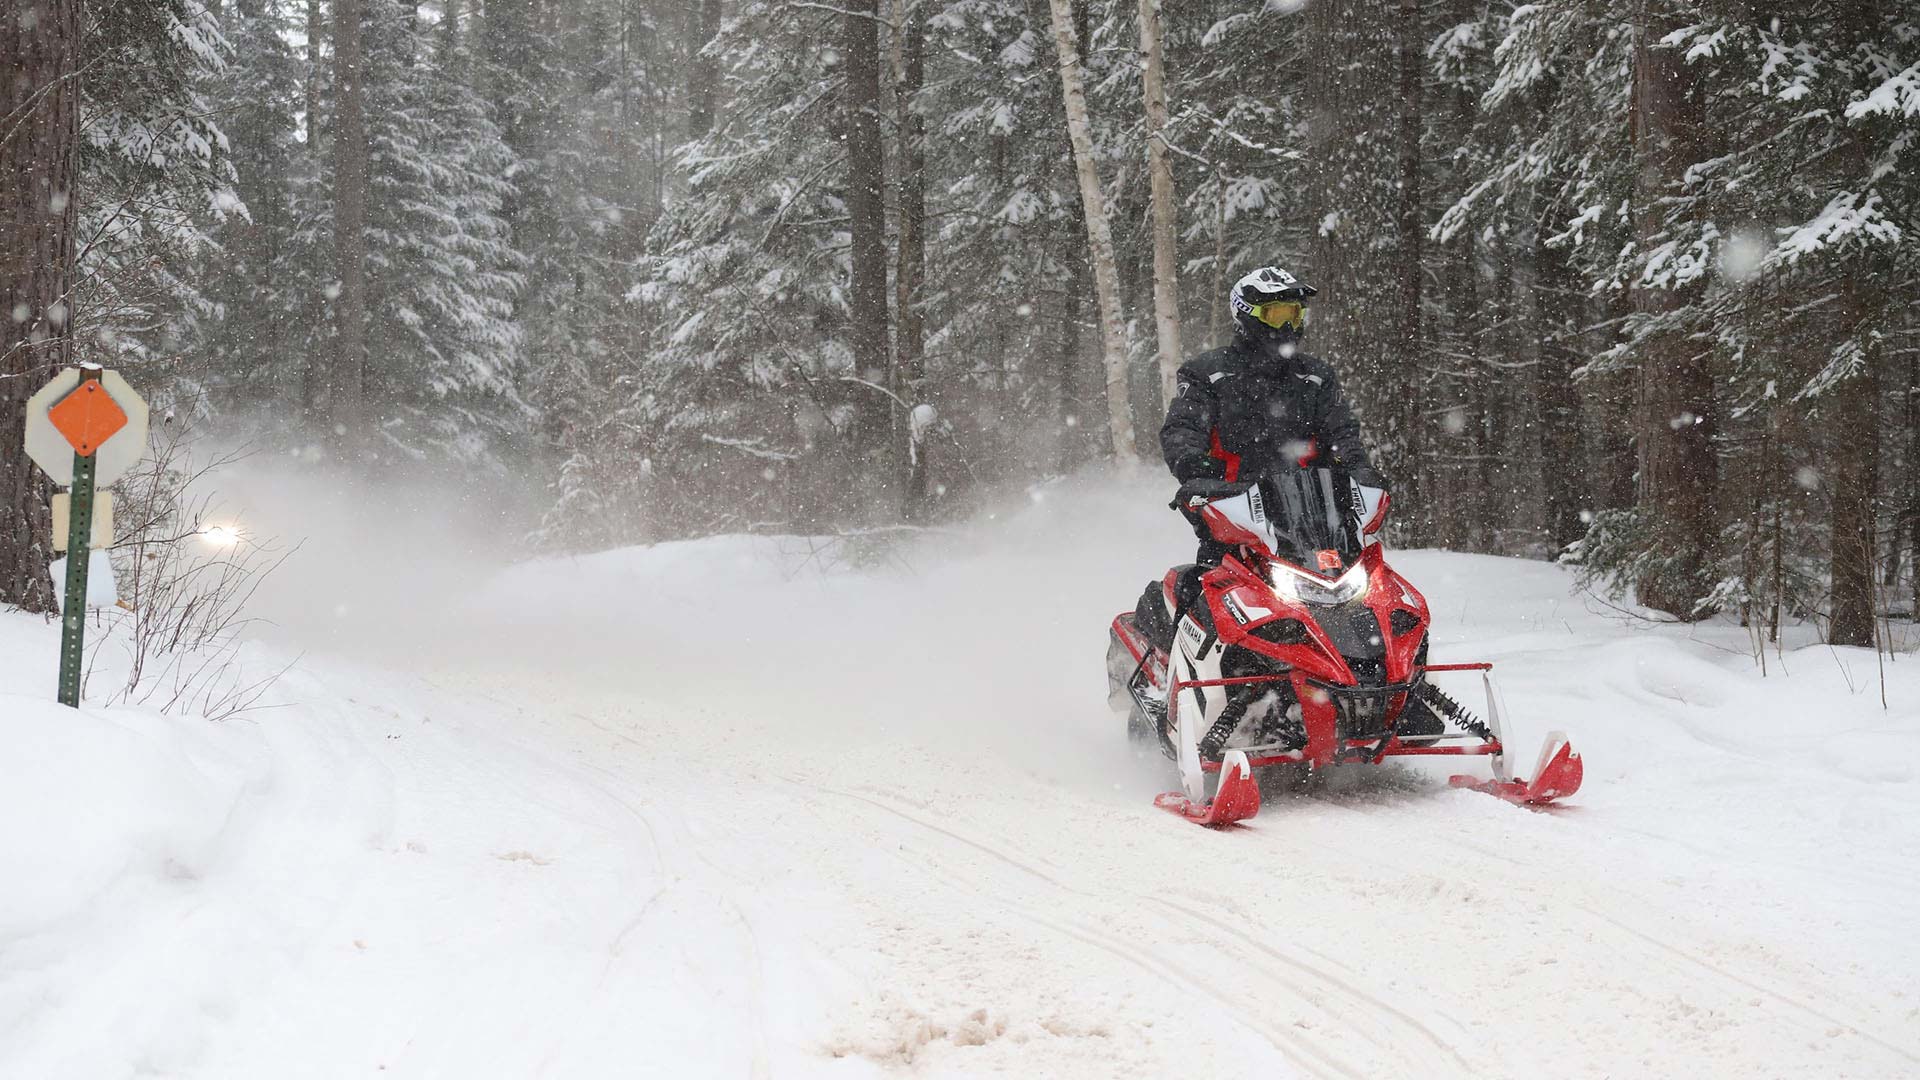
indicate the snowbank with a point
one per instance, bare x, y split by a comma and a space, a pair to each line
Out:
734, 808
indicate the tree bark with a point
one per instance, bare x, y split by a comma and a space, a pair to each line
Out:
39, 142
1409, 352
1219, 256
347, 380
1855, 473
866, 176
1166, 266
910, 268
703, 73
1912, 402
316, 33
1678, 474
1093, 201
1554, 288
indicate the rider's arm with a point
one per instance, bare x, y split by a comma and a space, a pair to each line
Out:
1340, 432
1186, 439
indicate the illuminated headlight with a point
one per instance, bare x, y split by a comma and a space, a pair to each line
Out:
1307, 589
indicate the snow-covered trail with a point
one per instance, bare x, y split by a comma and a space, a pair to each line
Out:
683, 811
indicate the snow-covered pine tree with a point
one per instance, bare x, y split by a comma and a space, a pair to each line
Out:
1813, 264
591, 191
267, 271
744, 412
1009, 302
155, 174
444, 349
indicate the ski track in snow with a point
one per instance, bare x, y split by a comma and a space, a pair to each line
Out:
683, 811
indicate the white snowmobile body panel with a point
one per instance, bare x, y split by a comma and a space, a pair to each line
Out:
1199, 706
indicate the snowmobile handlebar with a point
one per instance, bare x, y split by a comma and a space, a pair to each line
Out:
1206, 489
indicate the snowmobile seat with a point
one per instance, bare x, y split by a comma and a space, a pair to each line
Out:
1181, 590
1150, 617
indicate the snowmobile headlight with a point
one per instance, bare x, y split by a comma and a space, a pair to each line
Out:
1307, 589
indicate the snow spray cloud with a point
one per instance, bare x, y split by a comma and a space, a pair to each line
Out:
985, 637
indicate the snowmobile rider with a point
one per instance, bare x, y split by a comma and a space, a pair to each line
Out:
1241, 409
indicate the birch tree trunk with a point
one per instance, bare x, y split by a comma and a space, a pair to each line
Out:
39, 142
1166, 267
1106, 276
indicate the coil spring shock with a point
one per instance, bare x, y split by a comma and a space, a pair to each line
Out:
1222, 730
1438, 700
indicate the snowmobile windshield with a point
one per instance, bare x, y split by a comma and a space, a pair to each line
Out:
1307, 517
1312, 516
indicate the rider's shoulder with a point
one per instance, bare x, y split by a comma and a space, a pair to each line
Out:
1214, 362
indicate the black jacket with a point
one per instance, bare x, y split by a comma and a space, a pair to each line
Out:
1237, 413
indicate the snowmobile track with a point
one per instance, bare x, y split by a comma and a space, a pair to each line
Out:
1718, 973
1370, 1019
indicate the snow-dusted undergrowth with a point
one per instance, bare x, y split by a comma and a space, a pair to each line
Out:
707, 809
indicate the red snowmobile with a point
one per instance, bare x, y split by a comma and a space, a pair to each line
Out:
1301, 648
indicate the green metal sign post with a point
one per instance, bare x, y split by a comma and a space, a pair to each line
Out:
85, 429
73, 614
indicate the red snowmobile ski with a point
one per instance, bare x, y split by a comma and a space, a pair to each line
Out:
1301, 647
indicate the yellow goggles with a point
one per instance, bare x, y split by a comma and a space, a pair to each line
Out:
1281, 314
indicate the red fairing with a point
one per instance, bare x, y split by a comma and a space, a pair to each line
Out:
1225, 531
1388, 592
1318, 656
1379, 517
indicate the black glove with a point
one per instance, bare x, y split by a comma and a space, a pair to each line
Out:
1368, 476
1202, 467
1198, 492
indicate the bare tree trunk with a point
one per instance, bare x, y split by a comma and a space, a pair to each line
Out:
1410, 252
312, 364
866, 175
1678, 472
1220, 257
347, 382
703, 78
1093, 201
1554, 286
1912, 400
450, 33
1166, 265
1855, 472
910, 269
316, 33
39, 140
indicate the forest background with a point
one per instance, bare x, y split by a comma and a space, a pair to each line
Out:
1629, 285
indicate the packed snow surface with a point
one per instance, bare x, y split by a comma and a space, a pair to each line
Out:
751, 807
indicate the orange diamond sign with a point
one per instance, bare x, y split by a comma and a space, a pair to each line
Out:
87, 417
